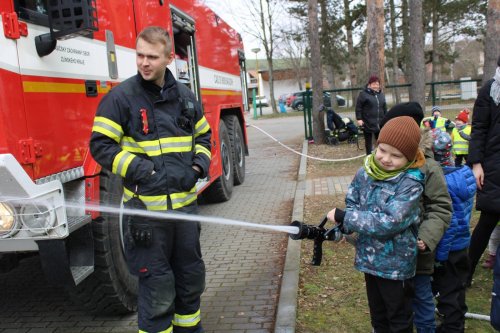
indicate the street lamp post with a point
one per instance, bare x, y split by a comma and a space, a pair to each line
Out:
256, 50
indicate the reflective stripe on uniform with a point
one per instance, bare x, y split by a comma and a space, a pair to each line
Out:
199, 149
188, 320
180, 144
201, 127
159, 202
183, 199
121, 162
108, 127
152, 202
168, 330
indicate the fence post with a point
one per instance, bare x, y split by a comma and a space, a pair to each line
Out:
254, 103
307, 108
433, 93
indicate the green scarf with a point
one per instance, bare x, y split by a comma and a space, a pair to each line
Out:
376, 172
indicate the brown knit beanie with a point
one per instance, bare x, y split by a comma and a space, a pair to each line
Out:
403, 134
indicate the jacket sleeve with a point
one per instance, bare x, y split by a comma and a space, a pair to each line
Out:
359, 105
390, 220
480, 125
437, 206
107, 133
202, 145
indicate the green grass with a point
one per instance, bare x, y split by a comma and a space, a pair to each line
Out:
332, 296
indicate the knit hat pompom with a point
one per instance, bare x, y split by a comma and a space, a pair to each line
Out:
373, 78
403, 134
463, 116
411, 109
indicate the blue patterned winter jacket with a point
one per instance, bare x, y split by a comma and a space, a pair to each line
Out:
462, 189
385, 214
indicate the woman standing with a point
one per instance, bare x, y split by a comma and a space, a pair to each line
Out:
484, 155
370, 109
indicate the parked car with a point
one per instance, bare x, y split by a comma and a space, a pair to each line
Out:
298, 102
261, 101
290, 98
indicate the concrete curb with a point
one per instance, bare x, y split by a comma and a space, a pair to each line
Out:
287, 304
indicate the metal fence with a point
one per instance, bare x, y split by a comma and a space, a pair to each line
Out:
462, 92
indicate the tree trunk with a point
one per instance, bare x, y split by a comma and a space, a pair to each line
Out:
406, 42
394, 45
375, 39
417, 89
353, 70
317, 73
492, 40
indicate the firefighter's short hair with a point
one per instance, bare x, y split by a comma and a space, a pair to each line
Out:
154, 35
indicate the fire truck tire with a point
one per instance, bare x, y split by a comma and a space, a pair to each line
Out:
237, 148
222, 188
111, 289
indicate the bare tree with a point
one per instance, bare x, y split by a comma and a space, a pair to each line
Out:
266, 34
292, 46
417, 89
375, 38
317, 72
492, 40
261, 23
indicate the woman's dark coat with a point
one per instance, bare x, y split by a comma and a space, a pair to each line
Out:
371, 108
484, 148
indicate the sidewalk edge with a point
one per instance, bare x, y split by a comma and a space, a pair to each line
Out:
287, 304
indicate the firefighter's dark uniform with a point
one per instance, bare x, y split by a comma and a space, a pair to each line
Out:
140, 127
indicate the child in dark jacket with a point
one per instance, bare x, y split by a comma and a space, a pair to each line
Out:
452, 262
434, 220
382, 206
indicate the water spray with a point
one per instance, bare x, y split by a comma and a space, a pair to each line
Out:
184, 217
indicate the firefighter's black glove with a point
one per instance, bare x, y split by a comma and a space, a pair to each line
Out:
139, 231
190, 179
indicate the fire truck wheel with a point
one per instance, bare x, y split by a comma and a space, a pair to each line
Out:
222, 188
237, 148
111, 289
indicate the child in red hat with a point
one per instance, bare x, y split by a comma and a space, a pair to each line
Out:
460, 137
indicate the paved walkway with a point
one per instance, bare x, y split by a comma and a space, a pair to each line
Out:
328, 185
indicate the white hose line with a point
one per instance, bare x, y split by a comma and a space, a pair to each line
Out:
308, 156
477, 316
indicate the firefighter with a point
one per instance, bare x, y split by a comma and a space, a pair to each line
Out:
151, 131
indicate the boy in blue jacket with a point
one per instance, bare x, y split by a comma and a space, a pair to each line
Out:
382, 206
452, 261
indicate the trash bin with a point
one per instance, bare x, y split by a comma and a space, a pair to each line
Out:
282, 107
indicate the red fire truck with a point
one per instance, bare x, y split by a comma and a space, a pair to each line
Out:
57, 60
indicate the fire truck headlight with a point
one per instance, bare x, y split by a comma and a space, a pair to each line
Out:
8, 220
38, 218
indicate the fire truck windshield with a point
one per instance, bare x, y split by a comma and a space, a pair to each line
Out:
33, 10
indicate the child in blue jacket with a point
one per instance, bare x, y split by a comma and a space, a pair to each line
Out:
382, 206
452, 261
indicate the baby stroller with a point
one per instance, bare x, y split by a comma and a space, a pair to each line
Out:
340, 129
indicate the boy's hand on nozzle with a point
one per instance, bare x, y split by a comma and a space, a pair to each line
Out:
331, 215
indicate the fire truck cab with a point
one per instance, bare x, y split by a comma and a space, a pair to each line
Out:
57, 60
